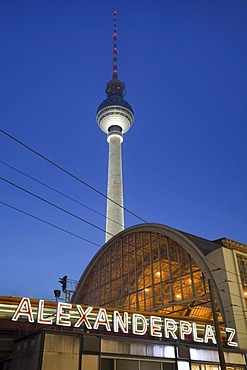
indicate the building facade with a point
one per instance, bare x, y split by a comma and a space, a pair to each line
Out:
155, 268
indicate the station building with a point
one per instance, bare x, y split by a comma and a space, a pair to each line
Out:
152, 298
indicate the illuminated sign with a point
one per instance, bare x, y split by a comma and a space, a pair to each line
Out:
68, 315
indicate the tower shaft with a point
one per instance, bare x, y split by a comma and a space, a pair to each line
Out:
114, 208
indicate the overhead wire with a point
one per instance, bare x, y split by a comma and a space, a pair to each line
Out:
74, 176
49, 223
70, 174
54, 205
84, 183
93, 189
220, 290
59, 192
93, 225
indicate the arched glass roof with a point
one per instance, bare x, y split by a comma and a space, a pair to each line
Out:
147, 269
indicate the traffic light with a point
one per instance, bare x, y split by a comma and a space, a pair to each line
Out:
57, 293
63, 282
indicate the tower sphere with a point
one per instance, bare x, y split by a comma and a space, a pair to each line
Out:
115, 111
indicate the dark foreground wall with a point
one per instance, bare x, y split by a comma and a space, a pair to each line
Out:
56, 350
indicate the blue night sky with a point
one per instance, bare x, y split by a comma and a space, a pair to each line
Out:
185, 158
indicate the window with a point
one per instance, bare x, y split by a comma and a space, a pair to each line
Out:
242, 265
107, 364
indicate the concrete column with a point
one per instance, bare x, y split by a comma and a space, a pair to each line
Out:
114, 212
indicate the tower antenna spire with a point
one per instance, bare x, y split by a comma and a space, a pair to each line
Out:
115, 71
115, 87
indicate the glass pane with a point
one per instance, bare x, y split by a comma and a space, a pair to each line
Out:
183, 365
107, 364
127, 365
168, 366
148, 365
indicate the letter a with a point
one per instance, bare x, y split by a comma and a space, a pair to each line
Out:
24, 309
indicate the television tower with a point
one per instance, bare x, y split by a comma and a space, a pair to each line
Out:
115, 117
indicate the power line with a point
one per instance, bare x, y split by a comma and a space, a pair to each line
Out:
83, 182
70, 174
42, 183
58, 191
90, 187
54, 205
49, 223
88, 221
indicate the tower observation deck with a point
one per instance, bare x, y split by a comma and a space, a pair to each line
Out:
115, 117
